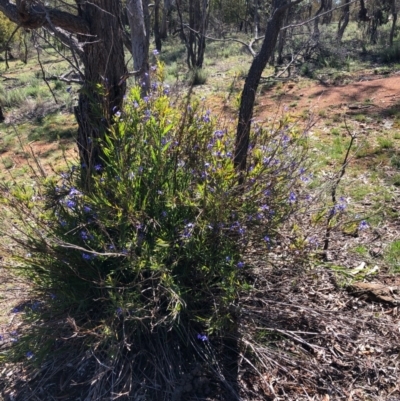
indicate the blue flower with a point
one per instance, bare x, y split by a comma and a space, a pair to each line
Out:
70, 204
74, 192
98, 167
206, 117
87, 209
219, 134
84, 235
86, 256
266, 239
292, 197
30, 354
240, 265
156, 52
35, 305
363, 225
202, 337
147, 114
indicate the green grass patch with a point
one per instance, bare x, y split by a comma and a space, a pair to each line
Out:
392, 256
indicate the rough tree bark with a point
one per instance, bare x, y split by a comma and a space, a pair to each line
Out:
248, 95
104, 66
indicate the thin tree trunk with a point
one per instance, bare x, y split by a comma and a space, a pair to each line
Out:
394, 19
248, 96
138, 22
164, 21
203, 28
282, 39
343, 22
316, 20
256, 19
327, 18
157, 36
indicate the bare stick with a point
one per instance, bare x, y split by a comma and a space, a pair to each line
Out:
44, 74
334, 189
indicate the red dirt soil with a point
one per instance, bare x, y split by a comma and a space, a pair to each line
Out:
374, 92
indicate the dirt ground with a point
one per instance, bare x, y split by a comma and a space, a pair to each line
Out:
367, 91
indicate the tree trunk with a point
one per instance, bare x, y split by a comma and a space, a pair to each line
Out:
282, 40
138, 22
248, 96
157, 36
164, 22
327, 18
343, 22
195, 40
103, 90
316, 20
256, 19
203, 29
394, 19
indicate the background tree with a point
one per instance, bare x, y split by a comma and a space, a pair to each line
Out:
343, 21
92, 30
247, 98
139, 23
193, 33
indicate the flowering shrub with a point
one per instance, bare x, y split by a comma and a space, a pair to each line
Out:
157, 244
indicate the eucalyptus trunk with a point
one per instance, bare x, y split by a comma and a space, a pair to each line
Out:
139, 24
343, 22
248, 96
103, 89
394, 20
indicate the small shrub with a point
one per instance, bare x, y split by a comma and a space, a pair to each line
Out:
360, 118
306, 70
392, 255
396, 180
385, 143
7, 162
391, 54
395, 161
199, 76
142, 271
